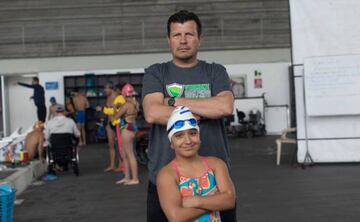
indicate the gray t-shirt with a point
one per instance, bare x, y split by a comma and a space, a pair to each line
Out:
201, 81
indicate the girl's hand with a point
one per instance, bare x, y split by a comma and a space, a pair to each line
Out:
118, 105
111, 118
190, 202
98, 108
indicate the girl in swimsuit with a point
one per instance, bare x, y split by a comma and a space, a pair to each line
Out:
113, 99
128, 112
192, 187
69, 108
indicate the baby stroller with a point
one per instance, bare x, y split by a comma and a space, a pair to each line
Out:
62, 151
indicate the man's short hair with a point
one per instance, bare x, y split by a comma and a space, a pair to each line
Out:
36, 79
182, 17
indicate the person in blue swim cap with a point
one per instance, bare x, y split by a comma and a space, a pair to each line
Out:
52, 107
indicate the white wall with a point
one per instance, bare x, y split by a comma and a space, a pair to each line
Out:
54, 69
22, 111
275, 85
275, 78
59, 77
36, 65
274, 75
324, 28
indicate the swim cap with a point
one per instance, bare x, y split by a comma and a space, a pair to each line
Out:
181, 119
127, 90
52, 100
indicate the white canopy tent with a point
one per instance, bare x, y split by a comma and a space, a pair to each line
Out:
326, 52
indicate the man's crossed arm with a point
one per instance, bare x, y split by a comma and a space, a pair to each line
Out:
157, 111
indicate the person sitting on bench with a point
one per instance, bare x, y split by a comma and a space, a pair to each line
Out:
34, 142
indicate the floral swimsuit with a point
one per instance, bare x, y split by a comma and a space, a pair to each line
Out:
199, 186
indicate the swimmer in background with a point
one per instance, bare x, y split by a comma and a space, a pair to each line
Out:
52, 108
113, 101
128, 112
69, 108
81, 104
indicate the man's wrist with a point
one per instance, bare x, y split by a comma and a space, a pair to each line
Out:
171, 101
178, 101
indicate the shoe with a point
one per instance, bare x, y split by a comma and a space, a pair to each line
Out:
50, 177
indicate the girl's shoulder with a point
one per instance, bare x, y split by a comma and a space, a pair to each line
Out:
119, 99
167, 175
167, 171
214, 162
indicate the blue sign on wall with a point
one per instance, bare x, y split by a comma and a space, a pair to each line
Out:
52, 85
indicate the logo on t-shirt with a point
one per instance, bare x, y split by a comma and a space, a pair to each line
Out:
175, 90
197, 91
192, 91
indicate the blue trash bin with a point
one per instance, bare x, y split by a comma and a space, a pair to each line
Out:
7, 198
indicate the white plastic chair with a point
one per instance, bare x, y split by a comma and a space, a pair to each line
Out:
16, 133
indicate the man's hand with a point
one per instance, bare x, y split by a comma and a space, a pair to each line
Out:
166, 99
215, 107
190, 202
155, 110
118, 105
98, 108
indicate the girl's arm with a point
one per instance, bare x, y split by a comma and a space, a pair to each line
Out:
87, 105
223, 199
50, 113
122, 111
171, 200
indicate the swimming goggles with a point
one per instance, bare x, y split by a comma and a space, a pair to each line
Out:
181, 123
